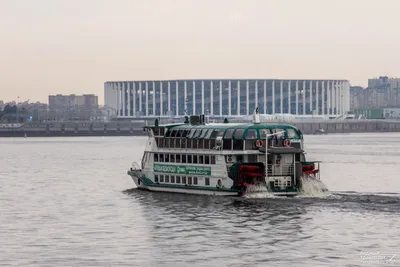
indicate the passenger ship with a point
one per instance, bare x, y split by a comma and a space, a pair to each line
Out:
227, 159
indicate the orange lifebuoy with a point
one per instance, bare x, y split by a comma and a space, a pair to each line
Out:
287, 142
259, 143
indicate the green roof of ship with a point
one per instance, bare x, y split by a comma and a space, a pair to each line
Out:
294, 132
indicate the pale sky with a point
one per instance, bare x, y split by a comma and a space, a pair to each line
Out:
74, 46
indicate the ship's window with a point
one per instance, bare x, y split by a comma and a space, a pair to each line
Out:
156, 178
155, 157
264, 132
156, 131
161, 158
183, 179
189, 180
201, 159
191, 133
184, 133
172, 179
195, 159
178, 179
239, 133
209, 132
206, 159
207, 181
228, 134
238, 144
183, 158
168, 133
179, 133
194, 180
167, 178
189, 158
203, 133
215, 133
280, 135
251, 134
162, 130
251, 158
220, 133
197, 133
212, 159
172, 158
291, 133
178, 158
161, 178
173, 134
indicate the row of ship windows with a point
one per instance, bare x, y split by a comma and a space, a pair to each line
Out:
179, 179
183, 158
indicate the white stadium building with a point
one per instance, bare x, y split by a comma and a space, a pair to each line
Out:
227, 97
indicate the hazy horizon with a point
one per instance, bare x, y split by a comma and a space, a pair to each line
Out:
73, 47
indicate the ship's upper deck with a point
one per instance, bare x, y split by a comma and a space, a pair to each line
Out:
242, 131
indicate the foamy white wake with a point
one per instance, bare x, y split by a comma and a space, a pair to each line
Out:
312, 187
258, 191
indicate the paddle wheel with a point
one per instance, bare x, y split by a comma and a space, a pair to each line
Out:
247, 174
309, 169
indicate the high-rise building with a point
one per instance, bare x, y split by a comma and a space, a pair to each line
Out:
227, 97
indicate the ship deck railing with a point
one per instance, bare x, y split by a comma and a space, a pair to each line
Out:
283, 169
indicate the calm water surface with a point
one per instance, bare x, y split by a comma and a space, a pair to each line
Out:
69, 202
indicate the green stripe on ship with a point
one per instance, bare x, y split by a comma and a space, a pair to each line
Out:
147, 182
180, 169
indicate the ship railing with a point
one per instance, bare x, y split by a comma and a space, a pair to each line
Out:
284, 169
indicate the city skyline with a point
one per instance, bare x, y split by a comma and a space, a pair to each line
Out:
72, 47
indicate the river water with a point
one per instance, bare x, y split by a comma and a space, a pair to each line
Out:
69, 202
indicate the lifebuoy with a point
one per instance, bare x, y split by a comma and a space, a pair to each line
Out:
259, 143
287, 142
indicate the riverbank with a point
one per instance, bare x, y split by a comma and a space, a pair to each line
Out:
136, 128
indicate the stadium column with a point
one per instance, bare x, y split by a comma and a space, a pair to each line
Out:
128, 84
185, 97
147, 99
202, 97
238, 98
323, 98
265, 97
317, 97
120, 99
177, 98
194, 99
211, 98
289, 97
281, 95
328, 91
297, 97
273, 97
304, 97
220, 98
337, 97
123, 99
247, 97
134, 98
311, 97
154, 98
161, 99
140, 99
169, 98
333, 97
229, 98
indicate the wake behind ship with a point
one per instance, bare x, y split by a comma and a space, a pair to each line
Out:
196, 157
